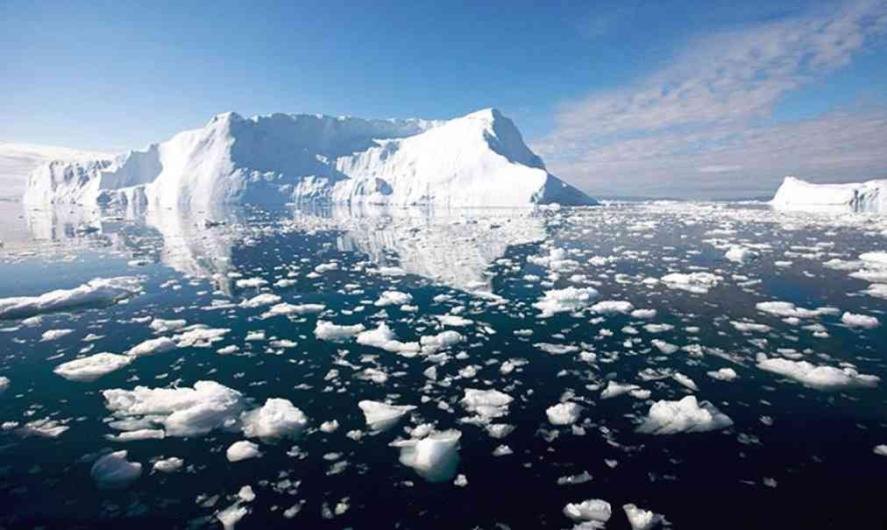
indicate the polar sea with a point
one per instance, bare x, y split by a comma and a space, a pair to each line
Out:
630, 365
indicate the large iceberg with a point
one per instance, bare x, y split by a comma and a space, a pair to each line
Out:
476, 160
797, 194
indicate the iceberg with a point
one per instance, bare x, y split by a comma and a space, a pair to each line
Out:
797, 194
477, 160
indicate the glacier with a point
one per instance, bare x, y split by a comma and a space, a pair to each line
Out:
477, 160
797, 194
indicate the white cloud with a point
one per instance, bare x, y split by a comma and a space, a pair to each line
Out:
706, 119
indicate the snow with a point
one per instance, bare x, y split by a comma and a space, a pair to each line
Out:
435, 457
88, 369
684, 415
819, 377
242, 450
855, 320
180, 411
563, 413
382, 416
477, 160
797, 194
277, 418
97, 292
596, 512
569, 299
113, 471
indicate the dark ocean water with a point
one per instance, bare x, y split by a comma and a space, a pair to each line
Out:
795, 456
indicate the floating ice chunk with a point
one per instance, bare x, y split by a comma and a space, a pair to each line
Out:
113, 471
612, 307
645, 314
685, 381
291, 309
641, 519
594, 512
393, 298
200, 336
790, 310
382, 416
563, 413
740, 254
97, 292
383, 338
723, 374
138, 434
277, 418
860, 321
454, 320
442, 340
694, 282
260, 300
818, 377
168, 465
435, 457
250, 283
880, 450
750, 326
570, 299
152, 346
325, 330
4, 383
615, 389
230, 516
88, 369
242, 450
180, 411
43, 427
486, 404
665, 347
160, 325
54, 334
685, 415
878, 290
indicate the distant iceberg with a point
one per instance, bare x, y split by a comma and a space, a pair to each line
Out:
473, 161
797, 194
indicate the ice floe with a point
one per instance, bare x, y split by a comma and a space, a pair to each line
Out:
684, 415
277, 418
88, 369
434, 456
819, 377
113, 470
382, 416
97, 292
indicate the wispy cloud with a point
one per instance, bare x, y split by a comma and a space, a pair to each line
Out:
706, 117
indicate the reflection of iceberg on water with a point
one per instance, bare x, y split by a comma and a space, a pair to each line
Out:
453, 247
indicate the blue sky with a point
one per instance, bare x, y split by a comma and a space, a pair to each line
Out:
621, 98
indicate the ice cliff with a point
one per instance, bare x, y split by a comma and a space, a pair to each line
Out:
476, 160
796, 194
